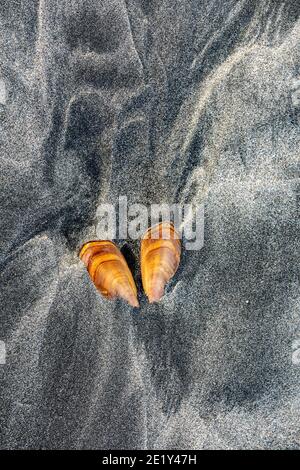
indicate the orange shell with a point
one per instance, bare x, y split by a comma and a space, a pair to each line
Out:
109, 271
160, 257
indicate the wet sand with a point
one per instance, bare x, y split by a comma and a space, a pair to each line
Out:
161, 101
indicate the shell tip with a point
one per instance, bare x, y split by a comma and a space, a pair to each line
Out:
155, 296
133, 301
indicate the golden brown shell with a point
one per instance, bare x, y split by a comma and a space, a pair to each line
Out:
160, 257
109, 271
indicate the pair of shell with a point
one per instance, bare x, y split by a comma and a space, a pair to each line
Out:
108, 269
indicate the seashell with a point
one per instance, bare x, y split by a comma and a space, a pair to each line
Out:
160, 257
109, 271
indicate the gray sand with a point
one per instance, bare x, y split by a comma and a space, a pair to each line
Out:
159, 101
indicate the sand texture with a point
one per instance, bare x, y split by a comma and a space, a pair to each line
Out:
161, 101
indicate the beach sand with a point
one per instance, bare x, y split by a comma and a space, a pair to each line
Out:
162, 101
